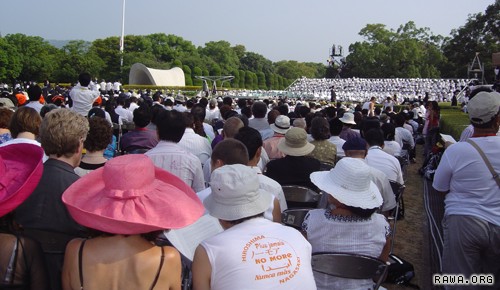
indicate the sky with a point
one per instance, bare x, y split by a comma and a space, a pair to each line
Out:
277, 29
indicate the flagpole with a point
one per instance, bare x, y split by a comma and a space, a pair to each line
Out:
123, 35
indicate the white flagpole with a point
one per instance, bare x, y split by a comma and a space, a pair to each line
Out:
123, 35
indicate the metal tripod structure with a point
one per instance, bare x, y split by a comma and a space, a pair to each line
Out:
214, 80
476, 69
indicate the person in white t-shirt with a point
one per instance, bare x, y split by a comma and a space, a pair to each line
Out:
83, 97
471, 221
252, 252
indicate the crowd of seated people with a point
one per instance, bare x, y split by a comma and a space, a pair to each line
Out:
231, 156
362, 90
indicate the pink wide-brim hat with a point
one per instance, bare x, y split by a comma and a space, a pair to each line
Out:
21, 168
129, 195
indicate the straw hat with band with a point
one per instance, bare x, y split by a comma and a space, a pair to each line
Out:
129, 195
281, 124
236, 194
350, 183
21, 168
295, 143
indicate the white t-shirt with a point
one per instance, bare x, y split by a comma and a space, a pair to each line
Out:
392, 147
386, 163
259, 254
462, 171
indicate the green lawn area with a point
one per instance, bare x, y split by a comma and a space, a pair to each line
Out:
453, 121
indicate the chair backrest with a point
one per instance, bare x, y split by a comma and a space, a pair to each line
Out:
351, 266
397, 189
325, 166
300, 196
294, 217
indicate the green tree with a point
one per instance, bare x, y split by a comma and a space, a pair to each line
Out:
242, 74
236, 81
197, 72
261, 80
187, 75
10, 62
248, 80
481, 33
222, 54
76, 57
37, 56
270, 81
255, 81
108, 50
293, 69
177, 63
256, 62
408, 52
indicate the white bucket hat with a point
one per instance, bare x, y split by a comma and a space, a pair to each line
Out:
281, 124
348, 118
235, 193
350, 183
295, 143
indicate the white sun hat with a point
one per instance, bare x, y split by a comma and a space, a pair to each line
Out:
348, 118
350, 183
235, 193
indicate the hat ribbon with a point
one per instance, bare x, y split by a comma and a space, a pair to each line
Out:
126, 194
281, 127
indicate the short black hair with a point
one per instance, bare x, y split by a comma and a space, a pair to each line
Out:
335, 126
170, 126
142, 116
389, 131
374, 137
84, 79
34, 92
251, 138
259, 109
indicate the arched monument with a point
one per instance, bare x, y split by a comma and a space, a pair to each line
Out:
142, 75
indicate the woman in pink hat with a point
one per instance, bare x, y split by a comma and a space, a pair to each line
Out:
128, 202
21, 260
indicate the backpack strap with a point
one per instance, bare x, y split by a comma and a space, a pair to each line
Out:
495, 175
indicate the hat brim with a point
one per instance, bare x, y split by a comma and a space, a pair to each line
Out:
367, 199
279, 130
169, 204
347, 121
300, 151
24, 170
236, 212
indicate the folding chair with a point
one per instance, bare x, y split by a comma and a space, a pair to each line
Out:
294, 217
325, 166
351, 266
398, 212
118, 132
300, 196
